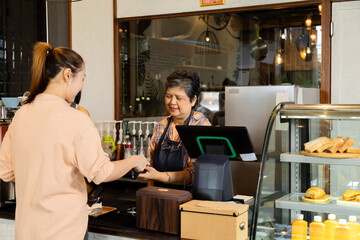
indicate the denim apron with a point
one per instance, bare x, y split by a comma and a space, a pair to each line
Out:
169, 155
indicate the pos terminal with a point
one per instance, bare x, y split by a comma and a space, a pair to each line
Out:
214, 147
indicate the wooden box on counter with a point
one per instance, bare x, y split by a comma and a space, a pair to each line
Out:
157, 208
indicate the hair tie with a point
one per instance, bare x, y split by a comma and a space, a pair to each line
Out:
51, 50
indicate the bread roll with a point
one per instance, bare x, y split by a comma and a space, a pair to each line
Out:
315, 144
315, 193
350, 195
348, 143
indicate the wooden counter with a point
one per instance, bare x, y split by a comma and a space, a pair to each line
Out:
120, 195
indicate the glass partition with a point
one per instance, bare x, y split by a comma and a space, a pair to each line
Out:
272, 47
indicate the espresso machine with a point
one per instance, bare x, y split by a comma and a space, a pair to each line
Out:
9, 106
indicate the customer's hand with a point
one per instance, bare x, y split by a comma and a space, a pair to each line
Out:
140, 162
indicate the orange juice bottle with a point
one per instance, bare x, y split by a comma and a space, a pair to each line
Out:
317, 229
299, 228
354, 228
330, 225
342, 232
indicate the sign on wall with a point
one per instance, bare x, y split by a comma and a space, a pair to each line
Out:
204, 3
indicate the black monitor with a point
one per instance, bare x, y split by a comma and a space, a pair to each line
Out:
213, 147
233, 142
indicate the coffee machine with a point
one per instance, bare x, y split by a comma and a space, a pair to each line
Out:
9, 107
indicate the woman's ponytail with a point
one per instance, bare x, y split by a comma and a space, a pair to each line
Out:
38, 72
47, 63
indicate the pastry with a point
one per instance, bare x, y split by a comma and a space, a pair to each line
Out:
326, 145
315, 193
357, 198
353, 150
350, 195
338, 141
315, 144
347, 143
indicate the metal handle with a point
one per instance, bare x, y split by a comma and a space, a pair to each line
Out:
242, 226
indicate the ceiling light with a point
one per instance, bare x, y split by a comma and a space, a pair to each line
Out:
308, 22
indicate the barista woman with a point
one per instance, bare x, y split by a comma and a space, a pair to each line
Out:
49, 148
171, 165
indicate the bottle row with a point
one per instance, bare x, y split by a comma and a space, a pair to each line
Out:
119, 142
330, 229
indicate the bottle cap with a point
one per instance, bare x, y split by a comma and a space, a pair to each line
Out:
342, 221
317, 218
352, 218
332, 216
300, 216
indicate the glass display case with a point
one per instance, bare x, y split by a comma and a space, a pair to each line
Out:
287, 171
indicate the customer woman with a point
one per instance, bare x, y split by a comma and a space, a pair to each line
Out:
49, 148
171, 165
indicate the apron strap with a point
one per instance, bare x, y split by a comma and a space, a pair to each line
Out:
187, 121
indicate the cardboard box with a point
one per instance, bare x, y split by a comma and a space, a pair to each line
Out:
214, 220
157, 208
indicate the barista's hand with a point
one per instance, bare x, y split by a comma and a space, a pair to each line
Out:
150, 174
140, 162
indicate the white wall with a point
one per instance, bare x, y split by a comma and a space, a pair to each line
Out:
128, 8
92, 37
345, 57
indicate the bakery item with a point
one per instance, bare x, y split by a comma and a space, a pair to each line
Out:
338, 141
326, 145
347, 143
353, 150
315, 193
357, 198
315, 144
350, 195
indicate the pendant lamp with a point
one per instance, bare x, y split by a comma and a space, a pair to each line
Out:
207, 42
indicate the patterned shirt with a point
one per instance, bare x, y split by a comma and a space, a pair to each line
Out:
172, 134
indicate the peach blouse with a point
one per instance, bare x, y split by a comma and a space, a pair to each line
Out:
47, 150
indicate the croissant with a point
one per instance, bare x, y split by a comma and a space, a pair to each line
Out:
350, 195
315, 193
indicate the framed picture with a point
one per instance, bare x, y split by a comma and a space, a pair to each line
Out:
204, 3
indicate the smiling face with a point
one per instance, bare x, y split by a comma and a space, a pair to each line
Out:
178, 103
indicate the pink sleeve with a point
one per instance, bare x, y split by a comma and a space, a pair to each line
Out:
91, 160
6, 163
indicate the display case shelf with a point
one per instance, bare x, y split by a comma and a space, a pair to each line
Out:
298, 158
293, 201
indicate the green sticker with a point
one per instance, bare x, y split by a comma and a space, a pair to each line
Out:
199, 138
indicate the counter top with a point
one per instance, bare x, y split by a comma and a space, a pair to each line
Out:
120, 222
